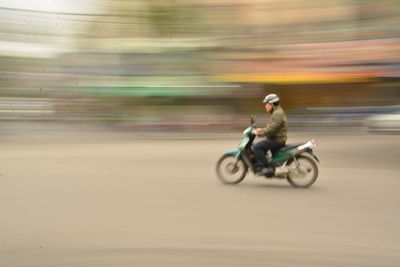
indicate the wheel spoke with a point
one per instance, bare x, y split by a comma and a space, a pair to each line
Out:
230, 170
304, 174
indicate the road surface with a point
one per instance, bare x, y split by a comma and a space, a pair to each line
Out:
119, 199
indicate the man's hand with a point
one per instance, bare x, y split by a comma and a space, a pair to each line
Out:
256, 131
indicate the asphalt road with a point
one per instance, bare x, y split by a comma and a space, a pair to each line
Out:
107, 199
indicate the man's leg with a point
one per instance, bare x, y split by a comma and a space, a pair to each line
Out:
260, 149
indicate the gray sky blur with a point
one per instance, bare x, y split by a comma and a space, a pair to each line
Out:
68, 6
46, 16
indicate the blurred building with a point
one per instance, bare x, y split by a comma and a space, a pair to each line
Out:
116, 61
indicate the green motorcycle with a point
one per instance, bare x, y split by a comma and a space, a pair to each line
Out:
297, 163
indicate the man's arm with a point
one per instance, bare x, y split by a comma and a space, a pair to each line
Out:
272, 126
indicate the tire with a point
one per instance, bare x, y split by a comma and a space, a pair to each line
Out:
226, 171
306, 176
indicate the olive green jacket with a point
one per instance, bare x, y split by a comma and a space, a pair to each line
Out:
277, 126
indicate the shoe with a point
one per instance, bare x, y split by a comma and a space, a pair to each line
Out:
267, 171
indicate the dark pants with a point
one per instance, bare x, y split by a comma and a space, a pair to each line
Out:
261, 148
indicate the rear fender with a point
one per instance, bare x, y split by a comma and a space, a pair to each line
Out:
311, 153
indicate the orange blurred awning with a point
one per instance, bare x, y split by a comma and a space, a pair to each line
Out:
300, 77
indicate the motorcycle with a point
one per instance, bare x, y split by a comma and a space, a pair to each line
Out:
297, 163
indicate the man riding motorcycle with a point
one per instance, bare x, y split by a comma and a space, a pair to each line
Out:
275, 132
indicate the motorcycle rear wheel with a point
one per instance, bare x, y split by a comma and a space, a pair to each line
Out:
304, 175
230, 170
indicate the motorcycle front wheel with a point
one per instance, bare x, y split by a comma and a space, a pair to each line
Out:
231, 170
303, 175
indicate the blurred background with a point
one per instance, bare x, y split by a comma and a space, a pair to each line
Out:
113, 114
185, 65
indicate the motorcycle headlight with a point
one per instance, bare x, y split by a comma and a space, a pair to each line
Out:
247, 131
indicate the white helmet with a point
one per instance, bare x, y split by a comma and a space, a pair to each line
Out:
271, 98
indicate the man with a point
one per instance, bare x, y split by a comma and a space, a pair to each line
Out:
275, 131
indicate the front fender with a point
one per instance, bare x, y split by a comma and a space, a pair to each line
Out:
233, 152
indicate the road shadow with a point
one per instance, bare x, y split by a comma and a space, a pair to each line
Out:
276, 184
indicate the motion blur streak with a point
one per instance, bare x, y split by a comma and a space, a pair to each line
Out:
113, 113
200, 65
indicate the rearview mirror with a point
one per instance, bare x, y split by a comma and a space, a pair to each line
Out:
253, 119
